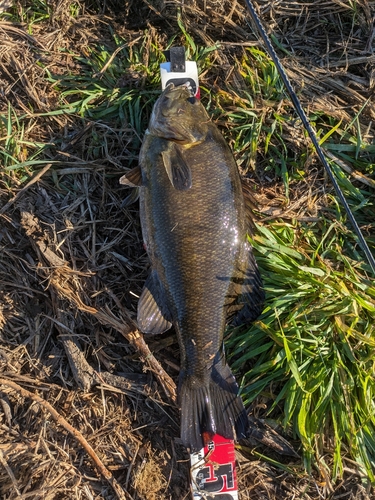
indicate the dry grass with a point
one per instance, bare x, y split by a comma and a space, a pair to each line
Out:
71, 257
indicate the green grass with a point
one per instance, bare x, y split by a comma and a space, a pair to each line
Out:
114, 88
310, 355
16, 152
117, 85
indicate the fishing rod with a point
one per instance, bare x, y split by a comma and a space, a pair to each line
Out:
297, 104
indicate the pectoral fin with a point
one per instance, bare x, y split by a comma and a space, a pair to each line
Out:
178, 170
153, 315
133, 178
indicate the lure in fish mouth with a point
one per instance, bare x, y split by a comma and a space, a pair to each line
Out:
203, 272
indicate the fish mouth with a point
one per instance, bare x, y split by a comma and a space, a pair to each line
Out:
172, 100
174, 94
171, 118
179, 116
183, 88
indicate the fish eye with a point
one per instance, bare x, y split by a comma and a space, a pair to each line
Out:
192, 100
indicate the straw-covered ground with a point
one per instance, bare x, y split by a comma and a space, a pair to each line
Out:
88, 405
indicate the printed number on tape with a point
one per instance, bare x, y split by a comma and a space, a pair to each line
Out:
213, 471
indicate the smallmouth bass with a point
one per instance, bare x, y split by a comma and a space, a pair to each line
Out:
203, 271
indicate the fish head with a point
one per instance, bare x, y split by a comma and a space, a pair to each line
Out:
179, 116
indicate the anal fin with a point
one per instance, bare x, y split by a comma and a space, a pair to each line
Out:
153, 315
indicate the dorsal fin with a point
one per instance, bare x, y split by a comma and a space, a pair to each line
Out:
250, 204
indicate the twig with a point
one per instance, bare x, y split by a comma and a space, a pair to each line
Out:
131, 466
4, 463
120, 492
30, 183
136, 339
151, 7
109, 62
358, 176
353, 60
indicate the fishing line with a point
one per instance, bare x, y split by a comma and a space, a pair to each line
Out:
310, 131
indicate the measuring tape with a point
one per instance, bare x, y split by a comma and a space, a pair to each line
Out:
213, 471
179, 71
213, 468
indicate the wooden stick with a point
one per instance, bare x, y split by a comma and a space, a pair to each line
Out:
120, 492
4, 463
30, 183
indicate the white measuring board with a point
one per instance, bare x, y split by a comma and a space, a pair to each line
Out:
189, 77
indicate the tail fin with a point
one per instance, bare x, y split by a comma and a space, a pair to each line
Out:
211, 408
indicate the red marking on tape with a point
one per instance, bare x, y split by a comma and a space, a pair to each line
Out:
213, 471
